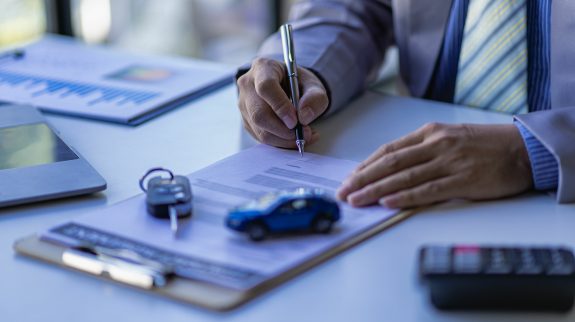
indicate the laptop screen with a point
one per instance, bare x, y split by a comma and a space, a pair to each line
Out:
31, 145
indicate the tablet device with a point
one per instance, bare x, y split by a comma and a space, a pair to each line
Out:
36, 164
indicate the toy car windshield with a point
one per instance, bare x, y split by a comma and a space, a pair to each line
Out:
268, 199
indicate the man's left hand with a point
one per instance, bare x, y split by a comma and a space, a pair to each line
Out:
439, 162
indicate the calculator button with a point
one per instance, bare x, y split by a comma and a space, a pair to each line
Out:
436, 260
543, 257
526, 263
498, 261
467, 259
562, 262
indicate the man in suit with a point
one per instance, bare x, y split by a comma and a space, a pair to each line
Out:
511, 56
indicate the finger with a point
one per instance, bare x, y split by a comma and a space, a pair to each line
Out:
314, 137
401, 143
314, 100
269, 138
273, 140
402, 180
265, 136
384, 166
248, 127
268, 76
261, 117
430, 192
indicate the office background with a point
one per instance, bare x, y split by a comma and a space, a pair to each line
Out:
175, 27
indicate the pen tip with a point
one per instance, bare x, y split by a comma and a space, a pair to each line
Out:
300, 147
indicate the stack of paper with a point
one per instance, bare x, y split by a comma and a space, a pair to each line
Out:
205, 249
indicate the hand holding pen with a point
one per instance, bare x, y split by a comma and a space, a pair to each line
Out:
268, 114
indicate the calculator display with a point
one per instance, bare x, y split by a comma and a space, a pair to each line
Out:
31, 145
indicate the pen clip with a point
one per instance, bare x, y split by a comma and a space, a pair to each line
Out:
119, 264
288, 49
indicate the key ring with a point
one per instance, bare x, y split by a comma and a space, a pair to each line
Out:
152, 170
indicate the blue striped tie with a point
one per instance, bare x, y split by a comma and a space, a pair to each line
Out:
492, 71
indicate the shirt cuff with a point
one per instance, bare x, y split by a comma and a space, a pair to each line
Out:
543, 164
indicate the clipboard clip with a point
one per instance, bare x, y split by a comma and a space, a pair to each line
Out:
121, 265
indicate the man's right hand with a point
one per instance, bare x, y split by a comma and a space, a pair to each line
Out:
268, 114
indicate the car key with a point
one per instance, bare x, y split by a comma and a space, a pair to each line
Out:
168, 197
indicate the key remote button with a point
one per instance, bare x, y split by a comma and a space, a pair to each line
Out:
162, 190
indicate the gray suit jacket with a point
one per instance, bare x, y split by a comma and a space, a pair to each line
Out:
345, 42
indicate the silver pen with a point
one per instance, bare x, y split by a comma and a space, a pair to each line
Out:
291, 67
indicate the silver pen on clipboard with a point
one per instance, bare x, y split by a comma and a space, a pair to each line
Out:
291, 67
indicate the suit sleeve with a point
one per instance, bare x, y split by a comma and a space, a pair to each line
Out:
555, 129
343, 42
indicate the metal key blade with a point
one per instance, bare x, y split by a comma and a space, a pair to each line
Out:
173, 220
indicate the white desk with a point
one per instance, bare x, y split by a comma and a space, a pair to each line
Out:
375, 281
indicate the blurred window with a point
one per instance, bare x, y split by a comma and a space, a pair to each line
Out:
228, 31
21, 20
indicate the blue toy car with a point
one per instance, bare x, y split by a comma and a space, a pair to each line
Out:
285, 211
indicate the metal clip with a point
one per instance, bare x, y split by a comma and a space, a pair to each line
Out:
120, 265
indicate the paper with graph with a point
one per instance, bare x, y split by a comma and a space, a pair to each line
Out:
61, 75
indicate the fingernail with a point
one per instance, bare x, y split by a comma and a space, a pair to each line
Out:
339, 194
389, 202
289, 121
345, 185
356, 198
306, 115
342, 192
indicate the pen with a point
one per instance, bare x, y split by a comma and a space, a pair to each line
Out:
291, 67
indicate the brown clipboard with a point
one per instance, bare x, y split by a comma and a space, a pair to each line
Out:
209, 296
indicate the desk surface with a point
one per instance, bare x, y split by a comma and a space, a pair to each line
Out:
375, 281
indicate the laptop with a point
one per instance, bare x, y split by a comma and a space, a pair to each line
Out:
36, 164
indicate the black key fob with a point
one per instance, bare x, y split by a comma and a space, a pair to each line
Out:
163, 193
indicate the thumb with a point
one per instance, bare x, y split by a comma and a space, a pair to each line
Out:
314, 100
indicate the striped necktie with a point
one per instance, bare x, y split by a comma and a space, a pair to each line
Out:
492, 72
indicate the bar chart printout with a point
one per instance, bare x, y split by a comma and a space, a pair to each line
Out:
60, 75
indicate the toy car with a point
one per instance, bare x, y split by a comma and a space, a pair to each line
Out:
285, 211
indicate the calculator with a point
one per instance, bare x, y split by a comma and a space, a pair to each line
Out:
499, 277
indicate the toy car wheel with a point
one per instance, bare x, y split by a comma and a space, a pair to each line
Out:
257, 231
322, 224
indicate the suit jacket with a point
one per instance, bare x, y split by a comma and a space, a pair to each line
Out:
344, 42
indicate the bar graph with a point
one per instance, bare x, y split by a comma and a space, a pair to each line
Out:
63, 76
92, 94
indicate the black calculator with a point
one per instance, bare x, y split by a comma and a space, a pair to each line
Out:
499, 277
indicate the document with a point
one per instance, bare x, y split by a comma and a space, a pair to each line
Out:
207, 250
61, 75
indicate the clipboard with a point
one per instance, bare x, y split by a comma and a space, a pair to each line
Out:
203, 294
